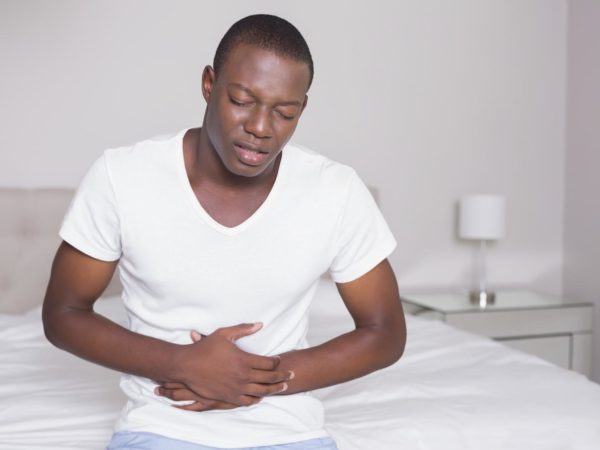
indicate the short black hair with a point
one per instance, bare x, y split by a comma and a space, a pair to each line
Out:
269, 33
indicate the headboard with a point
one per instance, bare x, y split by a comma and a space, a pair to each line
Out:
29, 224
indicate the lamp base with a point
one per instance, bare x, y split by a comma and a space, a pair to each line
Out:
482, 298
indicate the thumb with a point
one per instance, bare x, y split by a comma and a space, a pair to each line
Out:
236, 332
196, 336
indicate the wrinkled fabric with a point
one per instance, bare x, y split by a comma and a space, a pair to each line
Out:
451, 390
150, 441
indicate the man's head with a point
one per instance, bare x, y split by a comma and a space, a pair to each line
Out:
256, 93
267, 32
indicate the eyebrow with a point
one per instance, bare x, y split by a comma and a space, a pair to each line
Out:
248, 91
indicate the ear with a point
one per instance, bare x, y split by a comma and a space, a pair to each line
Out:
304, 103
208, 82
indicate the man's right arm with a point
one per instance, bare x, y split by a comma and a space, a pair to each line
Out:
215, 368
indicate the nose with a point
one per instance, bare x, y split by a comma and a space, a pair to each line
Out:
259, 123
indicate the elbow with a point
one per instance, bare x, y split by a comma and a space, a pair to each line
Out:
399, 351
51, 336
52, 333
49, 329
386, 342
50, 322
395, 353
400, 334
396, 343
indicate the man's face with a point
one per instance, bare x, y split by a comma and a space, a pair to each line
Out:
253, 107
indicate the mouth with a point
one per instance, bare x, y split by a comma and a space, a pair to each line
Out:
250, 154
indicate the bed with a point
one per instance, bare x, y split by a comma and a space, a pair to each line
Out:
450, 390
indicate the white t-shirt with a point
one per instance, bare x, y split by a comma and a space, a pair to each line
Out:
182, 270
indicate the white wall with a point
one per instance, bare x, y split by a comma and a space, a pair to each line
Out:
429, 100
582, 213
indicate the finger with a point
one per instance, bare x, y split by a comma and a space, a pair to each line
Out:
206, 406
271, 376
172, 385
263, 390
178, 394
263, 362
247, 400
187, 395
236, 332
196, 406
195, 336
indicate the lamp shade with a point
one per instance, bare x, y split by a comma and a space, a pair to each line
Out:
482, 217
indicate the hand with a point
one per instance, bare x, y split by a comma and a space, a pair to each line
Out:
216, 374
180, 392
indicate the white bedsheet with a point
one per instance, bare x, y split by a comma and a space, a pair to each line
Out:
450, 390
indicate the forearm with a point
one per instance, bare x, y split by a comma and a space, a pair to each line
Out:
97, 339
346, 357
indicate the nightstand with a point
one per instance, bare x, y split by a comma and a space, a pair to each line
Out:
556, 329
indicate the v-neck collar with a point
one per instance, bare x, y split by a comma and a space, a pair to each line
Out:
197, 206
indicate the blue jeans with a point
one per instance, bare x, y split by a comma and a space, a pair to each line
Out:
125, 440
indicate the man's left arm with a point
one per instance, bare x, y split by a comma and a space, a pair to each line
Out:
377, 341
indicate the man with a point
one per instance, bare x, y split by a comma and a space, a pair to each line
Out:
221, 234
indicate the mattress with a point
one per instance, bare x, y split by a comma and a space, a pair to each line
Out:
450, 390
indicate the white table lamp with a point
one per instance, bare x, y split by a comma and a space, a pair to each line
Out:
482, 217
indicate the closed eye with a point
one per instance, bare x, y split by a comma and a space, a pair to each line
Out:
237, 103
284, 116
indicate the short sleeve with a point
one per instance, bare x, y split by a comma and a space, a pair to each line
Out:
363, 237
91, 223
